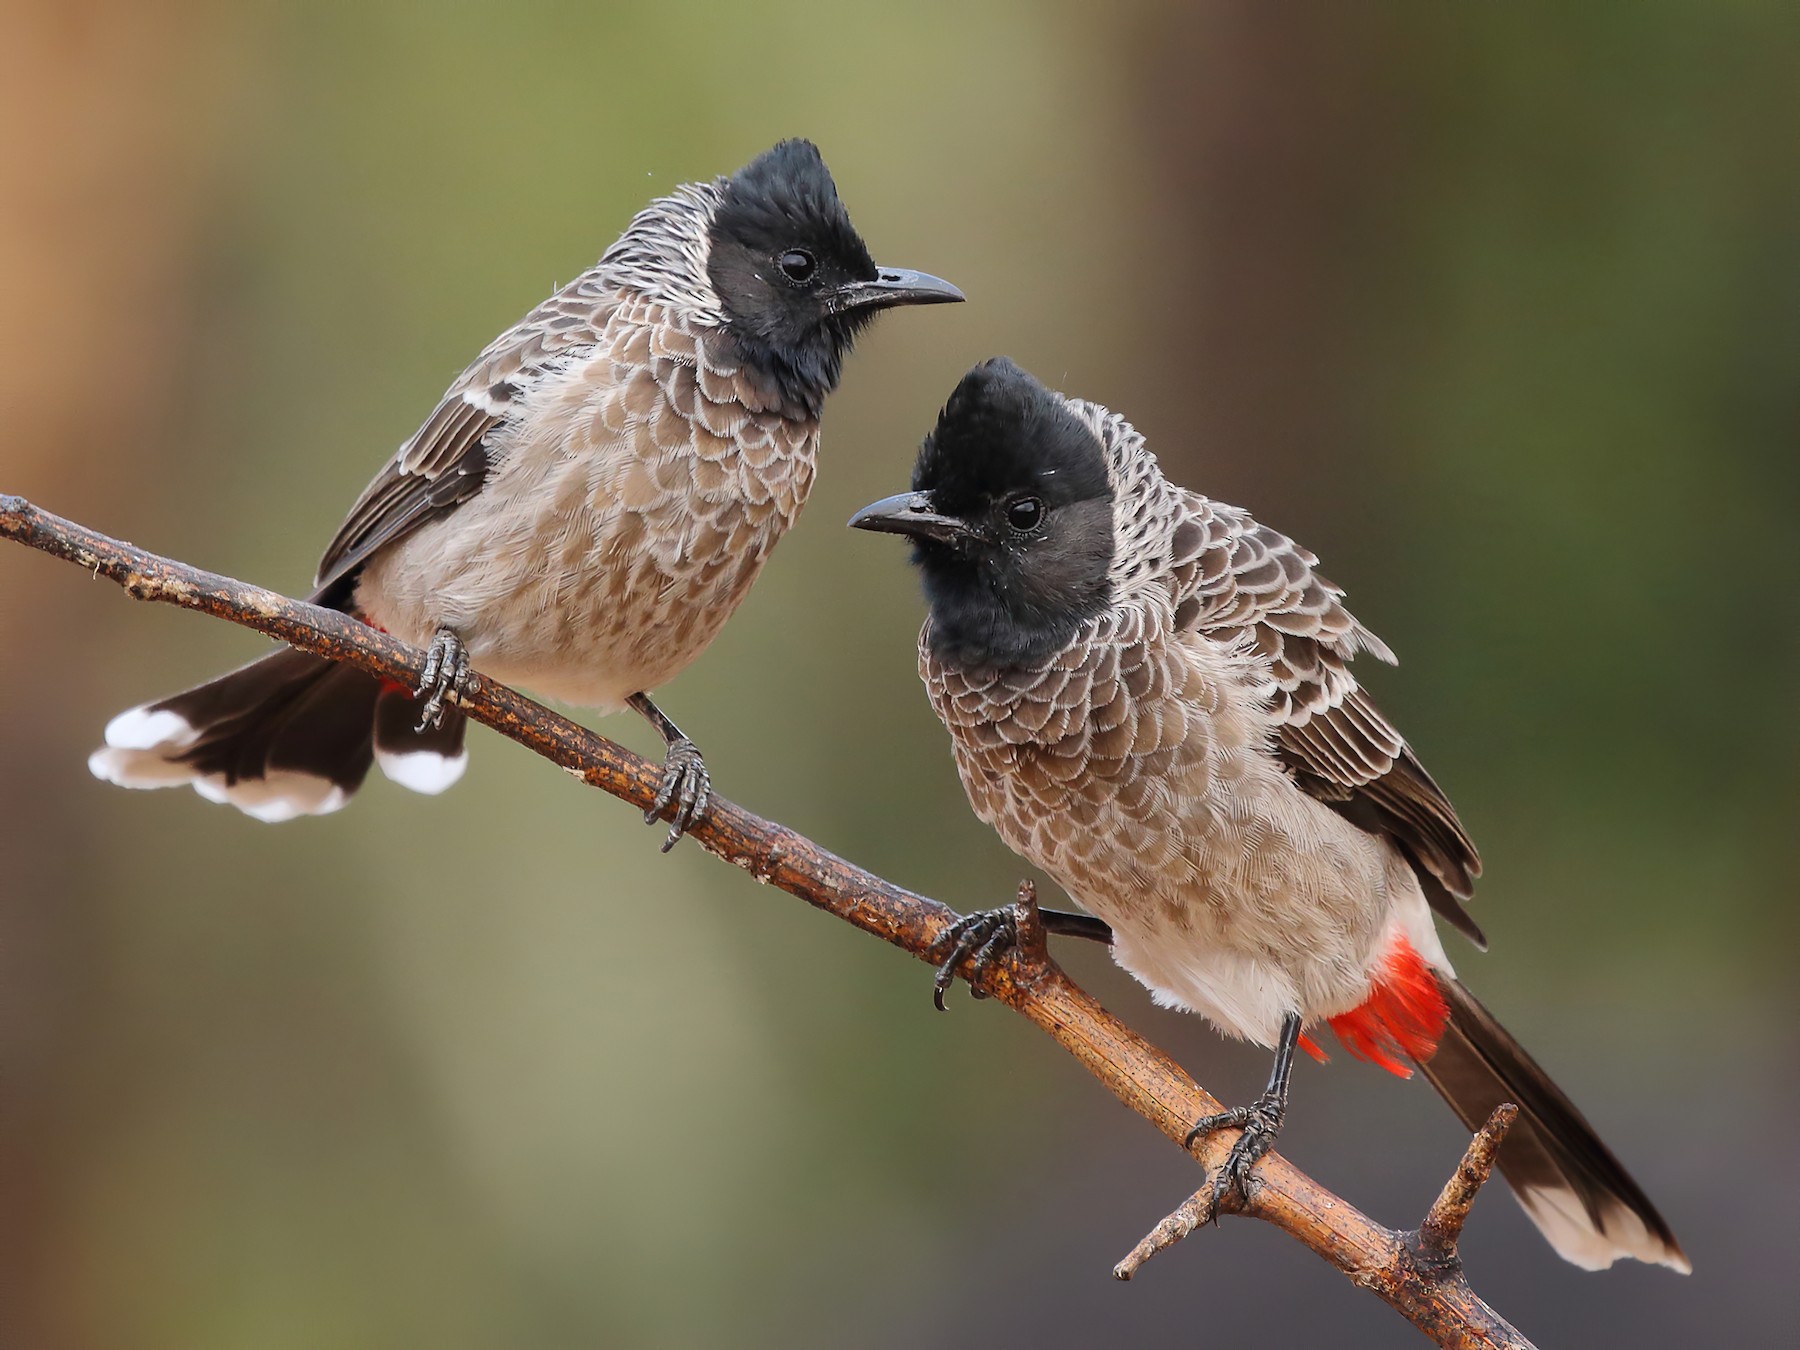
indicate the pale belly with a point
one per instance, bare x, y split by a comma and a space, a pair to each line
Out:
1241, 905
583, 579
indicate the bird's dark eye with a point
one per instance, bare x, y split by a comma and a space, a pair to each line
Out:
1025, 514
796, 265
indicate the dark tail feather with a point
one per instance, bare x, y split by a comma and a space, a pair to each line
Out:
289, 735
1571, 1185
426, 760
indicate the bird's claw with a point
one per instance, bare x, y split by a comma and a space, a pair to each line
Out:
685, 792
1260, 1123
980, 938
446, 672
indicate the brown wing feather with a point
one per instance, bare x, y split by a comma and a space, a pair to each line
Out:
446, 461
453, 466
1250, 581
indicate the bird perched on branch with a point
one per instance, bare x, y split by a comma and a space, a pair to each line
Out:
1150, 697
579, 515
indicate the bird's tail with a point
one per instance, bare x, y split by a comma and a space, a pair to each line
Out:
292, 734
1575, 1190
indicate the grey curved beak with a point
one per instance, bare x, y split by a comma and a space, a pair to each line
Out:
897, 286
909, 513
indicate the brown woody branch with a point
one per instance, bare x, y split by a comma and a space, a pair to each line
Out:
1418, 1273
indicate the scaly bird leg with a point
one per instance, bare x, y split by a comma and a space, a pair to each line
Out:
1260, 1122
686, 785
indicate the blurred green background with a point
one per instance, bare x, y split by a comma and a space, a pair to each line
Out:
1495, 307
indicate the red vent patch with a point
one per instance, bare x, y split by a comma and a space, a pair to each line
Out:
1403, 1016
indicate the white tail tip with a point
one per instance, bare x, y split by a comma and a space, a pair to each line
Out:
422, 770
136, 755
280, 796
1566, 1225
144, 729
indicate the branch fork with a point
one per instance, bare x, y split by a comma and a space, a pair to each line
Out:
1430, 1248
1419, 1273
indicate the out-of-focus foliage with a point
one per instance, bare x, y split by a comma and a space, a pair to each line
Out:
1493, 306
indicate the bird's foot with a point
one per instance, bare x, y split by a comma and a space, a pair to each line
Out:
985, 936
446, 672
1261, 1123
980, 938
686, 789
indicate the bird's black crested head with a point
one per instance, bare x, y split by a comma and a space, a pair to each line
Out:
1012, 516
781, 238
794, 277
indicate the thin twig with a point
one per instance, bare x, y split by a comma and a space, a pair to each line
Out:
1435, 1297
1188, 1215
1443, 1222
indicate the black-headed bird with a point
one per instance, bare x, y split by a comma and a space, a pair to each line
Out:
581, 512
1149, 696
